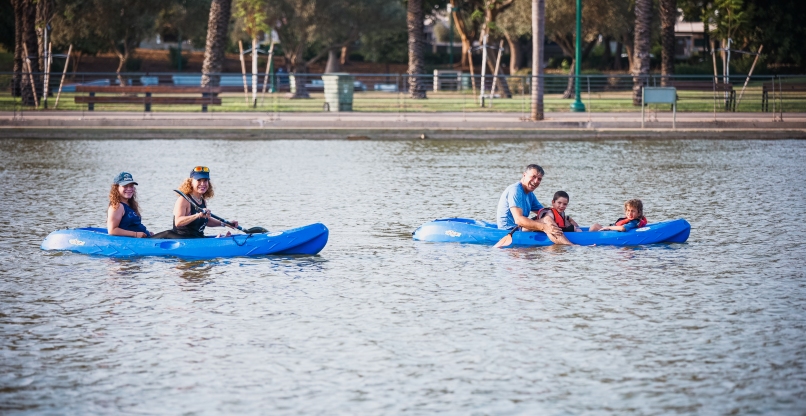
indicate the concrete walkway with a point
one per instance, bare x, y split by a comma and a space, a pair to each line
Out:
405, 126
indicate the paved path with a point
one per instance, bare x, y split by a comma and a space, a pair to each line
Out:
263, 125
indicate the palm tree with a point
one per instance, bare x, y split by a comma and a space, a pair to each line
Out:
668, 17
538, 33
220, 12
640, 69
25, 34
414, 21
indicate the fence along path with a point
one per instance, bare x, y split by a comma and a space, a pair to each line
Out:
389, 93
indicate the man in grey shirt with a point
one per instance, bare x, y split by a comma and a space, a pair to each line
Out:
518, 201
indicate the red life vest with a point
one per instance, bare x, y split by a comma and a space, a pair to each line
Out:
622, 221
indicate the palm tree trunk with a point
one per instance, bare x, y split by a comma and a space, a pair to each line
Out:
538, 29
28, 9
414, 21
16, 80
44, 11
640, 69
668, 17
217, 24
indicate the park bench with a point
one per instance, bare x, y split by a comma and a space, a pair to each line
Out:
777, 88
708, 86
207, 96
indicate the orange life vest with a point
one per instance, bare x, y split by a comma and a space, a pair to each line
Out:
622, 221
559, 219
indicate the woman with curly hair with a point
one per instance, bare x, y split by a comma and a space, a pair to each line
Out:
123, 214
190, 222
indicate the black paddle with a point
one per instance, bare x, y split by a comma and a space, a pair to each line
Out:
253, 230
507, 240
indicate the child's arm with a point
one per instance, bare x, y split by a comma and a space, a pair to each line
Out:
614, 228
574, 223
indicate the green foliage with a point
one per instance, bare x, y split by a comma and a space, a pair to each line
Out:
6, 61
7, 25
254, 15
729, 16
174, 57
385, 47
133, 64
184, 19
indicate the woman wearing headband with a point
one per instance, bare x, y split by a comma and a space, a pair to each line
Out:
190, 221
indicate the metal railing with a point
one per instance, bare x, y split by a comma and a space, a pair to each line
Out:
391, 92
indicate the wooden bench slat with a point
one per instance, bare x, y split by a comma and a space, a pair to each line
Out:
142, 89
148, 100
768, 86
700, 86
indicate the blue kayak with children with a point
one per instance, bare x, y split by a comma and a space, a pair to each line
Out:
465, 230
523, 221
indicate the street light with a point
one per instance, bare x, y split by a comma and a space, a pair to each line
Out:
577, 104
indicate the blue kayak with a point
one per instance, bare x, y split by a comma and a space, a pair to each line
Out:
309, 239
465, 230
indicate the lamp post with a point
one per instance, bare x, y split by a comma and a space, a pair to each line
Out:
577, 105
450, 17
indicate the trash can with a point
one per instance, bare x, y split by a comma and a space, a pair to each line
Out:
338, 91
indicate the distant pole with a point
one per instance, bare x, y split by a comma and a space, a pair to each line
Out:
64, 73
483, 66
450, 17
577, 105
243, 72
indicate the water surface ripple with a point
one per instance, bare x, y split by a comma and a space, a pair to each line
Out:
380, 324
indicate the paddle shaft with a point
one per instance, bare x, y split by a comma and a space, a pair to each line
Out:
195, 205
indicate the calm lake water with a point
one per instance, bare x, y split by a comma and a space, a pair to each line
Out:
380, 324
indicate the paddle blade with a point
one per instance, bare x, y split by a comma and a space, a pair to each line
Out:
256, 230
507, 240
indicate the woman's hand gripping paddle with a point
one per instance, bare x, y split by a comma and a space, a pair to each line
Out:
507, 240
253, 230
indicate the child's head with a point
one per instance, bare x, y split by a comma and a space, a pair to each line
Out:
633, 209
560, 201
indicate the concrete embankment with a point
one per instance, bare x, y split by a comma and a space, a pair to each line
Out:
397, 126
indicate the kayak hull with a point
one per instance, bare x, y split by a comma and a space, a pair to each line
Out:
470, 231
309, 239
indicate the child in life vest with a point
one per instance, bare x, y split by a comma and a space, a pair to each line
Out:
557, 212
633, 218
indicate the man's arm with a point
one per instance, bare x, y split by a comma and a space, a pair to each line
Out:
554, 233
524, 222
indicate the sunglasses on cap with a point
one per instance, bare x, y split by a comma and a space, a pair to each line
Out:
204, 169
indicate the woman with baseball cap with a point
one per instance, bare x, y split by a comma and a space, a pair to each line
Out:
123, 214
189, 220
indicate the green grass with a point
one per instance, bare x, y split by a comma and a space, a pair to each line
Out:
621, 101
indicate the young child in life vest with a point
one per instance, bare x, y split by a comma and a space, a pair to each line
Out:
557, 212
633, 218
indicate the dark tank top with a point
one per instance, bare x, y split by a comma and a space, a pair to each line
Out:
131, 221
196, 228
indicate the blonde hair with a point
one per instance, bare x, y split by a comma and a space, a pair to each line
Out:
637, 205
187, 187
115, 199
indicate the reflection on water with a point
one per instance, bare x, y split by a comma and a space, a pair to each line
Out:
378, 323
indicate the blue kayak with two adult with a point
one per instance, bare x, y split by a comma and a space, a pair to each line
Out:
126, 236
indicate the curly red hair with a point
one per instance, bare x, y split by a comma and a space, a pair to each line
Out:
187, 187
115, 199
